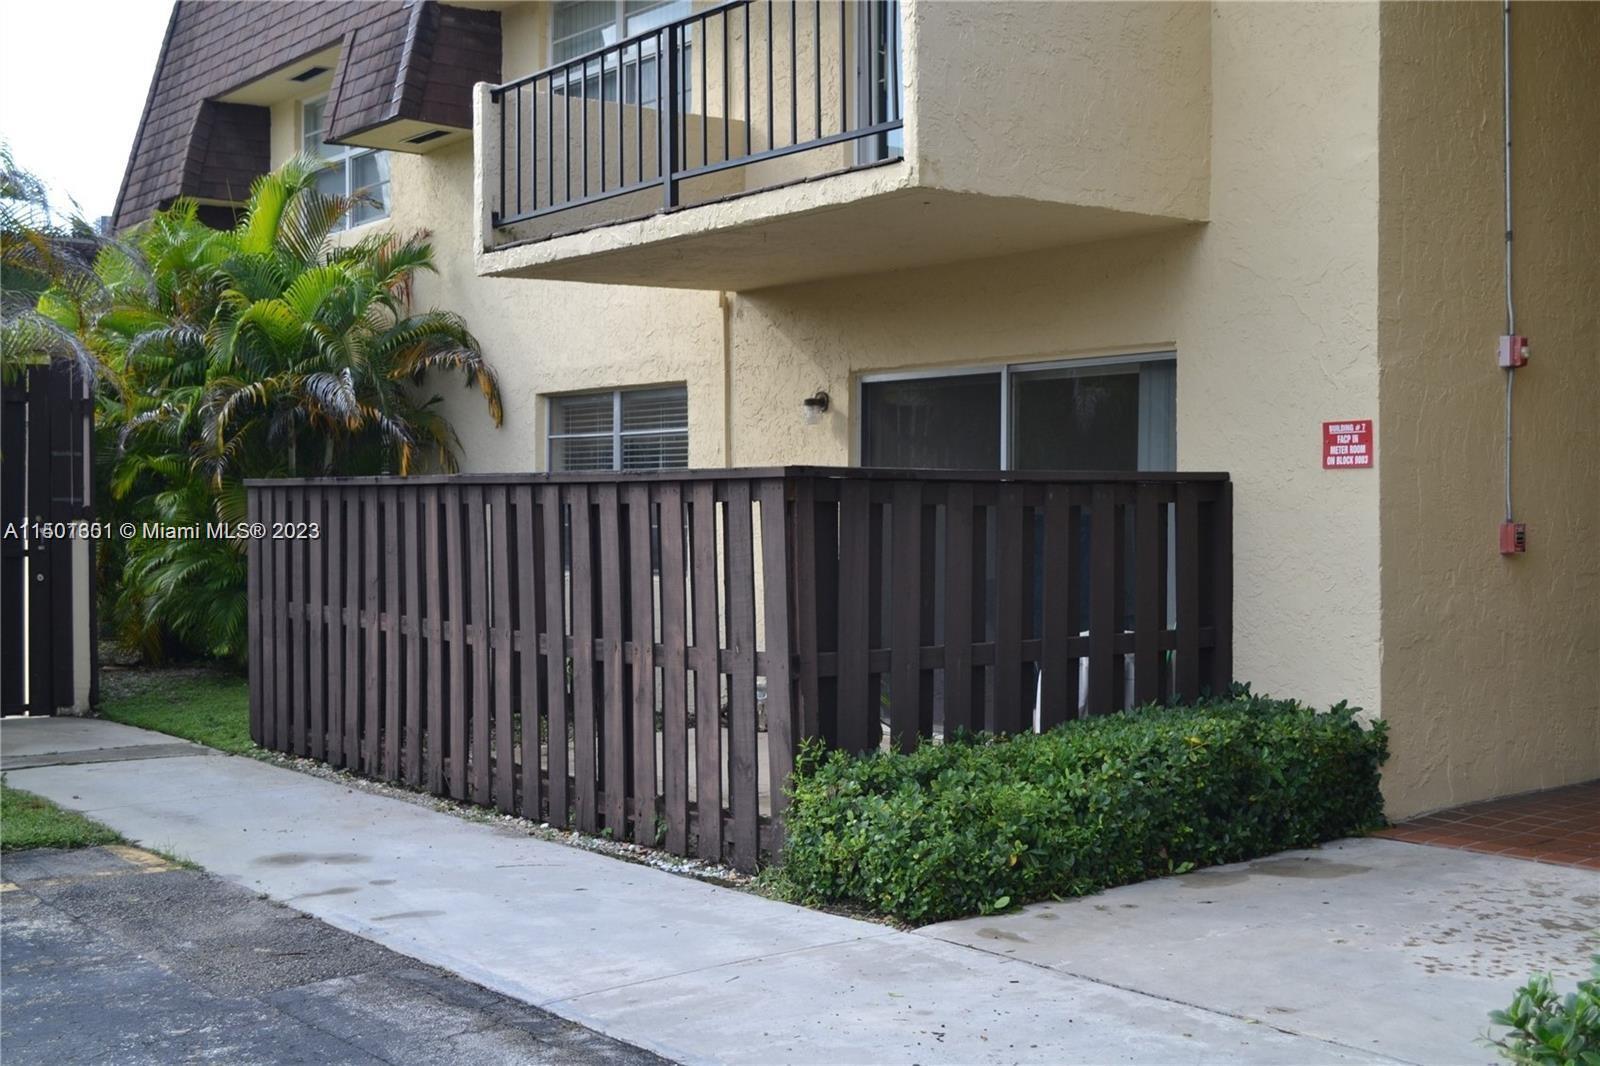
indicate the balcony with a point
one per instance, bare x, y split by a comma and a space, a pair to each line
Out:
756, 143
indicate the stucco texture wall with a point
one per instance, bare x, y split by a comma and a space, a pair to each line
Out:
1272, 307
1102, 105
1491, 665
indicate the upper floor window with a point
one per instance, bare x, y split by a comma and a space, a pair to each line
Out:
352, 172
630, 429
578, 27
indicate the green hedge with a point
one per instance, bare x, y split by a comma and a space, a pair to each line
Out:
980, 824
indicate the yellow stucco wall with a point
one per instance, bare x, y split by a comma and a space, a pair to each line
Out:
1271, 308
1100, 104
1491, 666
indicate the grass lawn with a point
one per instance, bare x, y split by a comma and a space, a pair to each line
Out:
208, 708
29, 821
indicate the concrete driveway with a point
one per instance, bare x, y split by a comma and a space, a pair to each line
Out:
1399, 948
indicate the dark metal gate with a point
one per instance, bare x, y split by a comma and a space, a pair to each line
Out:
47, 609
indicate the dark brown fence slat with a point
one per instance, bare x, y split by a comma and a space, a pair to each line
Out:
1221, 562
316, 625
433, 556
299, 742
480, 708
641, 702
806, 583
372, 567
1011, 600
585, 767
928, 622
1058, 683
614, 734
739, 579
858, 707
777, 602
454, 746
1150, 600
392, 729
350, 611
877, 672
269, 628
707, 679
411, 637
906, 597
501, 591
674, 673
556, 716
526, 552
958, 610
283, 654
253, 626
333, 616
1105, 678
1187, 666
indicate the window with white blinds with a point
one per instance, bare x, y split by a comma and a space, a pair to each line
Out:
630, 429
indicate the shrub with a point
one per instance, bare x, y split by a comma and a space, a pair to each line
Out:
977, 824
1551, 1030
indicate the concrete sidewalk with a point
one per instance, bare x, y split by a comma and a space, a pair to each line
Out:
706, 974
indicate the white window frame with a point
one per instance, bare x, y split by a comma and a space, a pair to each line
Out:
342, 157
1005, 370
617, 434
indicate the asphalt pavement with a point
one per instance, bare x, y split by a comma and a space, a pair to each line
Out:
114, 955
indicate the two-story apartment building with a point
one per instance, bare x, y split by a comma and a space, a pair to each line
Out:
1015, 235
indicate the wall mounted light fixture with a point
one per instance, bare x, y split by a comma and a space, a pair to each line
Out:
814, 407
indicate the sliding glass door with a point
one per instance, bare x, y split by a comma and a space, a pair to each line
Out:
1086, 415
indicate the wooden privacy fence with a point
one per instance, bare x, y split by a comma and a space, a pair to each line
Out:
641, 654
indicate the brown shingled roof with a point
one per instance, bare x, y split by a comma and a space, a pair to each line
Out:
415, 59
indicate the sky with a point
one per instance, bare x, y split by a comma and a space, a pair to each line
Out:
72, 86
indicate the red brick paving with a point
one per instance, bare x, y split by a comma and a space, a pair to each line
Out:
1561, 825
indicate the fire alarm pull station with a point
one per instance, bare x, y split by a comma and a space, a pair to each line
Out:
1513, 538
1513, 352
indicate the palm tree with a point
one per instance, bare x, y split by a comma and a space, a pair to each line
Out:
284, 353
267, 350
41, 251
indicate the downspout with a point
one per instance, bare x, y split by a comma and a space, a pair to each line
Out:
725, 303
1511, 310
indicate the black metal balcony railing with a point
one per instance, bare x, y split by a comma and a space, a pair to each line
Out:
736, 84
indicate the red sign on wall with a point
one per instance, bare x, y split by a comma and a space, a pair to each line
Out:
1347, 445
